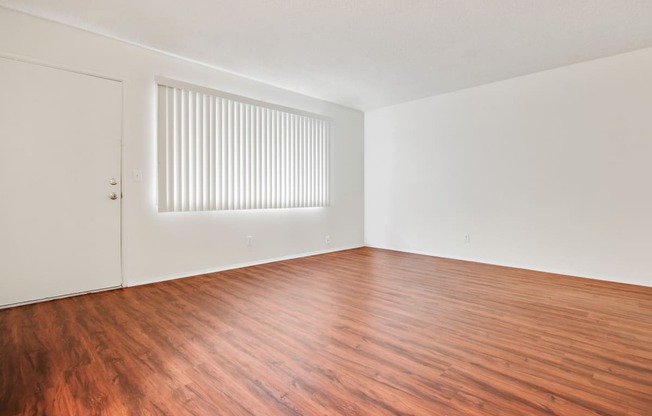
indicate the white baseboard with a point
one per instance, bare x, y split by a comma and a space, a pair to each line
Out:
611, 279
235, 266
68, 295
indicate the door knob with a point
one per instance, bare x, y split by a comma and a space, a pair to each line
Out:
112, 181
113, 195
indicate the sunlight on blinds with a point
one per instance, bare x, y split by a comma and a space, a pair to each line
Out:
217, 151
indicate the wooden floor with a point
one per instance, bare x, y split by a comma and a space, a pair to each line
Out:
360, 332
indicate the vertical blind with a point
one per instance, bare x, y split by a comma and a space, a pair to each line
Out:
217, 151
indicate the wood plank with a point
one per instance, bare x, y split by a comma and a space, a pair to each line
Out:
358, 332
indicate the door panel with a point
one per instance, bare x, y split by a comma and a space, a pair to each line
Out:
60, 144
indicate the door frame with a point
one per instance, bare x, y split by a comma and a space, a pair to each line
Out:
91, 73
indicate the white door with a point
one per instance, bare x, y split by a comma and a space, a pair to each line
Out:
60, 147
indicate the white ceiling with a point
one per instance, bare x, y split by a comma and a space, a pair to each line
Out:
368, 53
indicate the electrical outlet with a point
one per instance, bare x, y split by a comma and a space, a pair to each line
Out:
327, 239
467, 239
250, 241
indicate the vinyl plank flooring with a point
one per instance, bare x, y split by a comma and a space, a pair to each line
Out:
358, 332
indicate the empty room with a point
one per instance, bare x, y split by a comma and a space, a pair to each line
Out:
311, 207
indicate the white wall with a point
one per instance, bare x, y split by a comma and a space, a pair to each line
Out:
158, 246
550, 171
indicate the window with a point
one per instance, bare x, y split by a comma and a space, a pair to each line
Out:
218, 151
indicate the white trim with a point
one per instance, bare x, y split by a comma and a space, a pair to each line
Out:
520, 267
177, 56
34, 61
67, 295
239, 266
184, 275
122, 184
